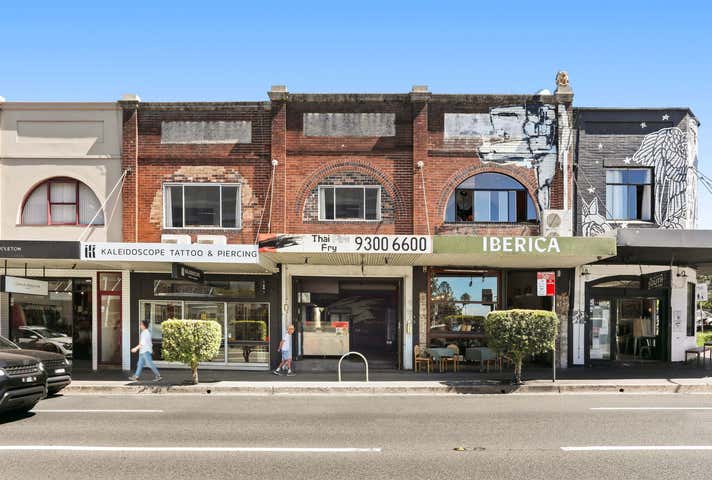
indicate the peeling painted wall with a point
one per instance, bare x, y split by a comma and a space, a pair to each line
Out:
524, 135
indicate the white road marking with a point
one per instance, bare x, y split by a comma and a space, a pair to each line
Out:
628, 448
95, 411
651, 408
142, 448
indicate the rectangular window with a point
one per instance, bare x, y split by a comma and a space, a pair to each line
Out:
629, 194
460, 303
201, 205
350, 203
244, 326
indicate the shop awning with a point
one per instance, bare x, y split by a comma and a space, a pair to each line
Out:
38, 255
440, 250
518, 252
648, 246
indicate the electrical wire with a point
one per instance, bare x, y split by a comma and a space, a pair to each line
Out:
119, 182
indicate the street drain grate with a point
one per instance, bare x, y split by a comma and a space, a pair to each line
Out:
469, 449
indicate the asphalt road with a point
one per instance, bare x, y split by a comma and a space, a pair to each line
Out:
523, 436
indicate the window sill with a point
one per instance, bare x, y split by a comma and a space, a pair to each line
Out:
202, 229
492, 223
633, 222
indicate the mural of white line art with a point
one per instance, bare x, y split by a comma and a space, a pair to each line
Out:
672, 154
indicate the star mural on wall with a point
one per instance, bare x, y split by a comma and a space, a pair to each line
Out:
627, 160
666, 117
624, 225
643, 125
591, 189
600, 146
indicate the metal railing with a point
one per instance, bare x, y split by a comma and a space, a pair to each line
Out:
353, 353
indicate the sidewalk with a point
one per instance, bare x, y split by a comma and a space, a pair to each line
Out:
639, 379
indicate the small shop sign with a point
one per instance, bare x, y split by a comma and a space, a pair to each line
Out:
656, 280
167, 252
546, 284
702, 295
184, 272
27, 286
331, 243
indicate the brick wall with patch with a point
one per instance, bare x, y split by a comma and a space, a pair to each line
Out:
635, 168
199, 144
342, 140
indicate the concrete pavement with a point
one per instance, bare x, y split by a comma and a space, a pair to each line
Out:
344, 437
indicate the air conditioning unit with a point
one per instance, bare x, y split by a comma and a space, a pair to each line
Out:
212, 239
556, 223
180, 239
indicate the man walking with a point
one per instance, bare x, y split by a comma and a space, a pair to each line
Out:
145, 352
285, 346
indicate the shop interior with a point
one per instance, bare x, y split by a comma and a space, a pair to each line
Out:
338, 315
60, 322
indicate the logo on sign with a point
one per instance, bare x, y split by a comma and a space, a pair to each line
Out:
89, 251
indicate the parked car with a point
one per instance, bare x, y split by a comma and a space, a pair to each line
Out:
23, 382
37, 337
56, 366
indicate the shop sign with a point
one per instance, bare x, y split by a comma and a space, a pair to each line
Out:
184, 272
28, 286
702, 295
39, 249
546, 284
521, 244
331, 243
169, 252
655, 281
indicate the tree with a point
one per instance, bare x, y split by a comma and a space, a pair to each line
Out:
520, 333
191, 342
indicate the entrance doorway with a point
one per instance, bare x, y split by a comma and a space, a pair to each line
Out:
626, 323
59, 322
338, 315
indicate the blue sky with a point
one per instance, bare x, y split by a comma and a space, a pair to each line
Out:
622, 53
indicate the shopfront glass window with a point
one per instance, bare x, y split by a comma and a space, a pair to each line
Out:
459, 304
245, 326
248, 333
201, 205
59, 322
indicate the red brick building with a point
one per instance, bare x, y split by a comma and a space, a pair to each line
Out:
386, 168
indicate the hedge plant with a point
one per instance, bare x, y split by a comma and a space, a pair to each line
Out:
519, 333
191, 342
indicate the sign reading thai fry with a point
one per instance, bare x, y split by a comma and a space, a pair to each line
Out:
169, 252
331, 243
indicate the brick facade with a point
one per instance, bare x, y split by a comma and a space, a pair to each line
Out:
416, 163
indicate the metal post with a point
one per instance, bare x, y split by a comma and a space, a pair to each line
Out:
553, 356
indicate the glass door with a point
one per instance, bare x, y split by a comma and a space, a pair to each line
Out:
600, 315
109, 318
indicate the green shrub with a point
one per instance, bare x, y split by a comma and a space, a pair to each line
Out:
191, 342
520, 333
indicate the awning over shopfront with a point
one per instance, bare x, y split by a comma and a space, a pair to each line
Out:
647, 246
145, 257
438, 250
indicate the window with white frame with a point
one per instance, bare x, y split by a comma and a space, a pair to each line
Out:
201, 205
349, 202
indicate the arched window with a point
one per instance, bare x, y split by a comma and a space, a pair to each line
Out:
490, 197
62, 201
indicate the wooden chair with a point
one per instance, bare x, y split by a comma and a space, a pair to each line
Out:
455, 359
421, 356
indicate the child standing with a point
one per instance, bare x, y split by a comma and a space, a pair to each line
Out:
285, 346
